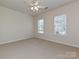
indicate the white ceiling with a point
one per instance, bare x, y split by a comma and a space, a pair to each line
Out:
20, 6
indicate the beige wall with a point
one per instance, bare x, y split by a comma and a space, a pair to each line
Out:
36, 49
72, 12
14, 25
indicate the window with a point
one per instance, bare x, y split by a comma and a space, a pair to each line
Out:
60, 25
41, 26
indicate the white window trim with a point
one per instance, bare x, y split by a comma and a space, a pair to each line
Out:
65, 25
41, 32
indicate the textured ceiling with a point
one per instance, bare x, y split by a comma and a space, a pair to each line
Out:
20, 6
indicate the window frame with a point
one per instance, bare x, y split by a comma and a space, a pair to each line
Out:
65, 21
38, 31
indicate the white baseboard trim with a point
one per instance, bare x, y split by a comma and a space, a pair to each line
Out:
68, 44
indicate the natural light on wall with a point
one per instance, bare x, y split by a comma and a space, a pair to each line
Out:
60, 25
41, 26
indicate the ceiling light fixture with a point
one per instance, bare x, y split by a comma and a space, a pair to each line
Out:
34, 6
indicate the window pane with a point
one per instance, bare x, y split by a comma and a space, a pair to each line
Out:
41, 26
60, 24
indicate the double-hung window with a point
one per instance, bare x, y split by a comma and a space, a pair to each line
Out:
41, 26
60, 25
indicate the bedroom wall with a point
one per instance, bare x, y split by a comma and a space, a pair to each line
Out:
14, 25
37, 49
72, 12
